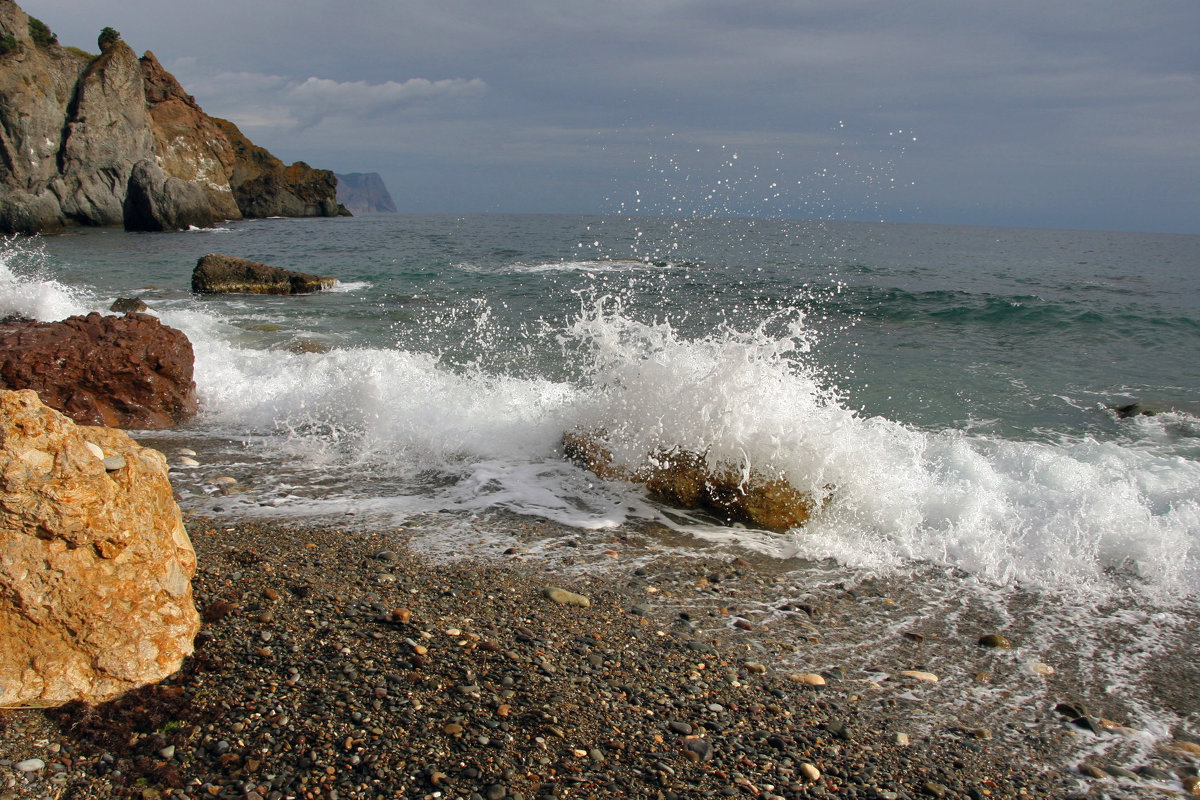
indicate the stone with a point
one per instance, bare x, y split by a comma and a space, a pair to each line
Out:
216, 274
919, 675
95, 566
809, 679
565, 598
125, 305
809, 772
29, 765
995, 640
124, 372
687, 480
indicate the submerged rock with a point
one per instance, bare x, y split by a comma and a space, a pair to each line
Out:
686, 479
216, 274
95, 564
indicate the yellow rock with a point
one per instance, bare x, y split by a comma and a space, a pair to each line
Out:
809, 679
686, 479
95, 578
918, 675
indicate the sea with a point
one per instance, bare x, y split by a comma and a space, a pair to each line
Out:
950, 393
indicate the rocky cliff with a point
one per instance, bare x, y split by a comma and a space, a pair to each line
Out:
364, 193
115, 140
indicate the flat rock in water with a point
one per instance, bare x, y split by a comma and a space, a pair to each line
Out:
220, 274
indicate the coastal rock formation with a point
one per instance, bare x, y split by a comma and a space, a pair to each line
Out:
216, 274
687, 480
364, 193
127, 372
265, 187
114, 140
95, 564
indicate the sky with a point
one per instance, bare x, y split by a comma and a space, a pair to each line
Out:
1080, 114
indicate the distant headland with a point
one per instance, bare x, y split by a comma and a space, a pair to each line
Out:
113, 139
364, 193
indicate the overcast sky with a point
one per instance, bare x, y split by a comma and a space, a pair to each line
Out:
1060, 114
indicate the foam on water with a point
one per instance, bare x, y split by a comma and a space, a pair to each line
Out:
402, 430
413, 434
28, 290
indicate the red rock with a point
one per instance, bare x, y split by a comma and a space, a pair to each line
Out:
123, 372
95, 564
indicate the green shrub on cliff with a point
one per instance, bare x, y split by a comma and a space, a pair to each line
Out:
8, 43
108, 37
40, 33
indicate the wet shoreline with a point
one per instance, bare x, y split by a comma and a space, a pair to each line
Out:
358, 661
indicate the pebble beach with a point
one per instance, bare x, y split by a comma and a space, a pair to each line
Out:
337, 663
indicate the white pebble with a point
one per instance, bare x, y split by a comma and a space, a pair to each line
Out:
30, 765
810, 773
183, 451
1038, 668
95, 450
188, 462
918, 675
809, 679
902, 739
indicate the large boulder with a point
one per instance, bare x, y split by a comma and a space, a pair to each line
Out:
217, 274
95, 564
127, 372
687, 480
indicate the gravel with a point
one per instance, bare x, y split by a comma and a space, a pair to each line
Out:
343, 665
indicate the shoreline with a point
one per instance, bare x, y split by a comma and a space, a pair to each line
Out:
348, 663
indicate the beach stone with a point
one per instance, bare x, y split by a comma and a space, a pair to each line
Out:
809, 772
95, 566
809, 679
1038, 668
565, 598
701, 747
29, 765
919, 675
995, 640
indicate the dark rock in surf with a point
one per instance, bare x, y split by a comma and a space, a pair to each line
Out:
218, 274
122, 372
126, 305
1144, 408
687, 480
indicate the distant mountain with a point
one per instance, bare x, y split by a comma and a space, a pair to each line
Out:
115, 140
364, 193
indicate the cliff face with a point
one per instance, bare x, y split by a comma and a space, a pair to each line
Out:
114, 139
364, 193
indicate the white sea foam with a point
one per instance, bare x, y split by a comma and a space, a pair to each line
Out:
26, 288
1076, 515
401, 431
